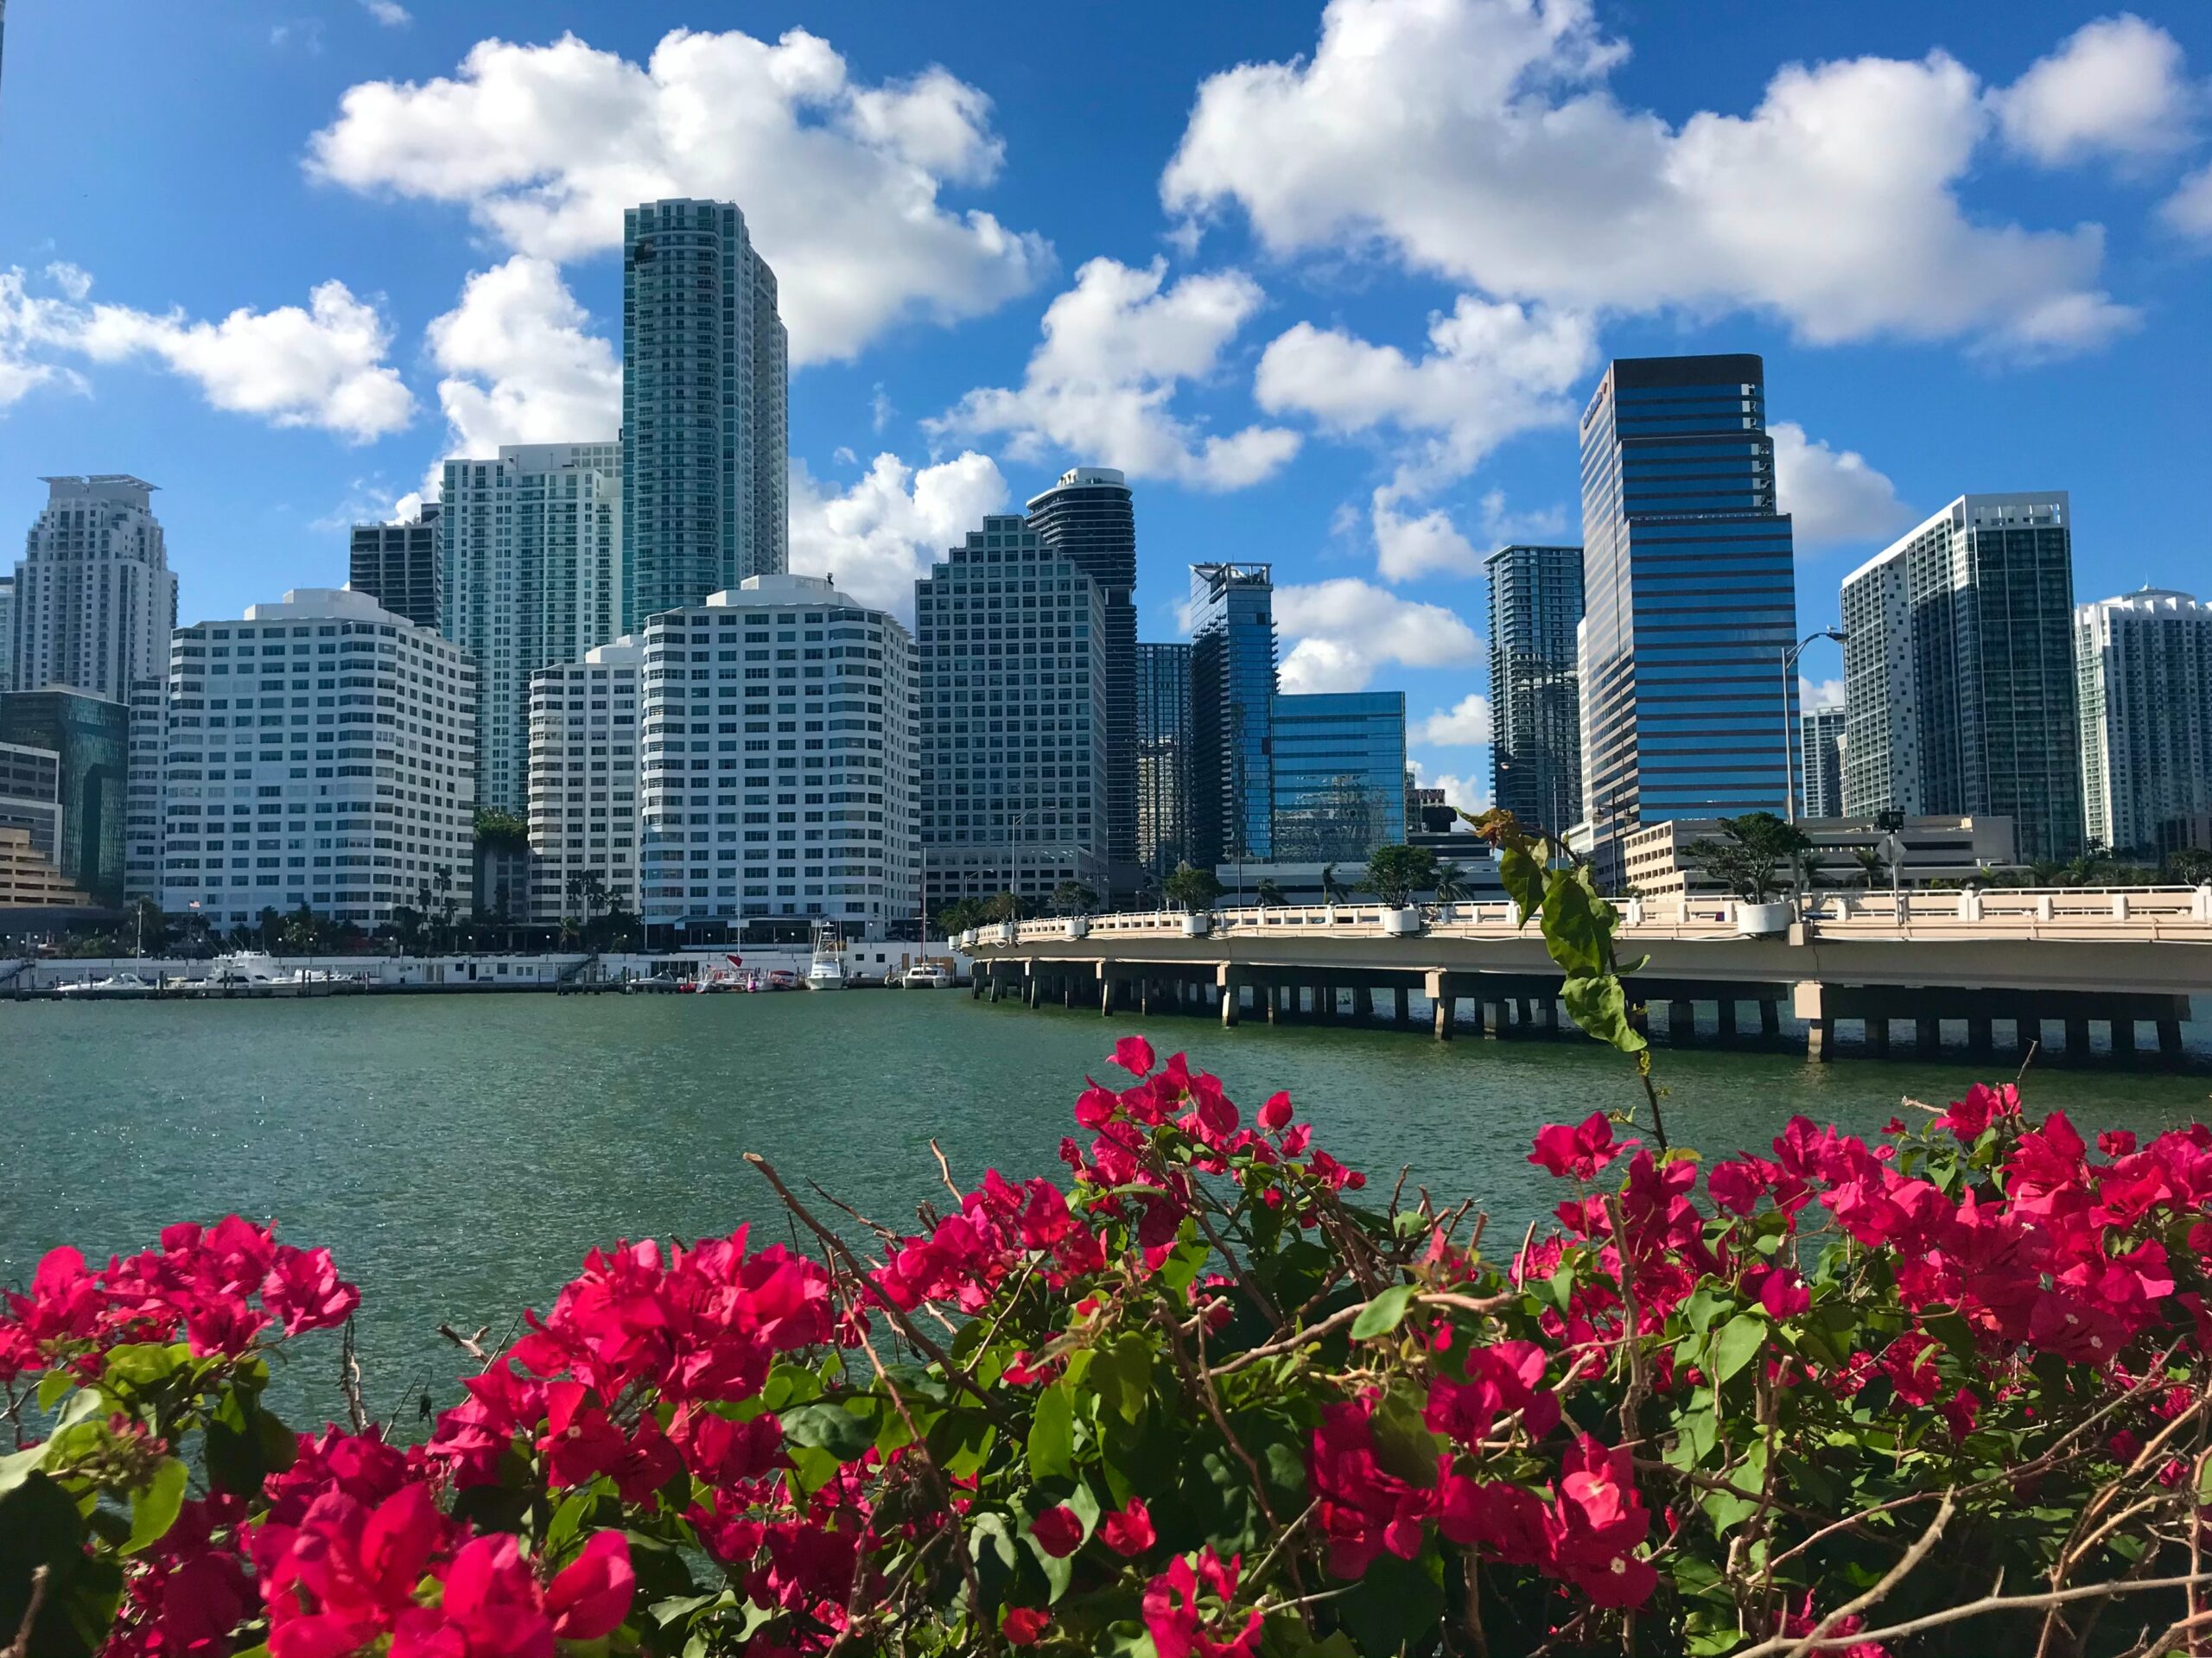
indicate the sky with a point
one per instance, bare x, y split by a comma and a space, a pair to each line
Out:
1332, 284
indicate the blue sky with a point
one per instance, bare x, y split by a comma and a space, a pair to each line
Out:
1330, 285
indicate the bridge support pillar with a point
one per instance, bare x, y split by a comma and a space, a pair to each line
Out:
1105, 995
1231, 992
1979, 1041
1928, 1036
1769, 1018
2027, 1036
1522, 1013
1681, 1024
2123, 1036
1724, 1019
1402, 1000
2078, 1037
1273, 992
1494, 1018
1033, 991
1819, 1040
2170, 1039
1438, 987
1877, 1038
1547, 1015
1363, 1004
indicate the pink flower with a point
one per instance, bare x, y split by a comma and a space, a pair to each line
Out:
1129, 1531
1502, 1378
1780, 1291
1133, 1055
592, 1596
1058, 1532
492, 1599
1983, 1105
1275, 1114
1024, 1626
302, 1288
1581, 1151
1174, 1619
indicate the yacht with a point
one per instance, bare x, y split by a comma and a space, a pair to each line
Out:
123, 987
247, 973
828, 969
927, 975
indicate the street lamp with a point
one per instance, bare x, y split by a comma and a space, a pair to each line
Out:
1788, 726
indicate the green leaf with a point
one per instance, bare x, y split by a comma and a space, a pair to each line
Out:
1383, 1314
1396, 1606
1739, 1343
1577, 924
1599, 1008
1052, 1433
17, 1467
831, 1427
153, 1510
52, 1386
1522, 878
145, 1364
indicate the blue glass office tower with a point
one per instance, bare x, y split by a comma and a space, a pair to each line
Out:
1163, 757
1232, 697
1690, 599
1339, 775
1535, 754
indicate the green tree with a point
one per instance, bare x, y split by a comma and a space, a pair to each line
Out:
1874, 868
501, 829
1332, 890
1450, 881
304, 931
1269, 895
145, 926
1747, 857
1073, 898
271, 928
1395, 873
1192, 888
1002, 906
960, 916
2191, 866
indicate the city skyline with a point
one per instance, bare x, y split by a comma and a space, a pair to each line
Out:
1412, 374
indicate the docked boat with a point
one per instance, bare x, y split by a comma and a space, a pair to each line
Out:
926, 975
123, 987
246, 973
827, 971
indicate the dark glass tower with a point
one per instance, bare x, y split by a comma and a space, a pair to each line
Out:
1339, 775
1232, 699
92, 735
1536, 757
1690, 599
398, 565
1163, 757
704, 409
1088, 519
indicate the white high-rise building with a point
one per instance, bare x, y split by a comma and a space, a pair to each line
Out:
142, 795
7, 633
584, 778
531, 546
320, 753
1820, 761
95, 598
778, 763
2144, 662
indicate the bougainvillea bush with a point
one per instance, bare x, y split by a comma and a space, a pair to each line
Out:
1209, 1392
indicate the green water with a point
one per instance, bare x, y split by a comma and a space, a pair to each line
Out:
459, 1154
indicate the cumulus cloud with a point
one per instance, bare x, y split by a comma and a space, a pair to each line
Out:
1831, 495
1102, 383
2116, 87
840, 180
321, 365
1819, 693
880, 537
1466, 724
519, 363
2189, 210
1343, 629
1408, 546
1470, 793
390, 13
1478, 139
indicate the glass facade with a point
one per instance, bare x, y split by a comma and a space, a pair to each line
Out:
1011, 642
92, 735
1339, 775
398, 565
1819, 762
1690, 599
1232, 703
1163, 757
1536, 757
705, 409
1959, 672
1089, 518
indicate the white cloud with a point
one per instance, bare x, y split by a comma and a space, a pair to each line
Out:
1478, 139
520, 365
1466, 724
1819, 693
546, 145
1406, 546
1831, 495
1491, 370
1343, 629
2189, 210
1468, 794
2118, 86
390, 13
1116, 347
881, 536
321, 367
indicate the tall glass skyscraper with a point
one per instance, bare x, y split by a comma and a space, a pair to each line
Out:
705, 373
1535, 756
1232, 699
92, 737
1163, 757
2145, 662
1958, 671
1690, 599
1339, 775
1088, 519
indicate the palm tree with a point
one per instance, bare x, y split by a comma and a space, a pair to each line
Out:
1269, 895
1872, 866
1332, 890
1450, 882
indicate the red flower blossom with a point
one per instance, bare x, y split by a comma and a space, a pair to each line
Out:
1128, 1530
592, 1595
1133, 1055
1581, 1151
1058, 1532
1024, 1626
1173, 1618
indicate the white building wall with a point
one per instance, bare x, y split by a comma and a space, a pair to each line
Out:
2143, 668
319, 754
94, 597
584, 814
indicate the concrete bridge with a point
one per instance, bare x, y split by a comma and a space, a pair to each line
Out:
2069, 957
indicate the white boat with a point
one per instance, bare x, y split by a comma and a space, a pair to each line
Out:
927, 975
827, 971
123, 987
248, 973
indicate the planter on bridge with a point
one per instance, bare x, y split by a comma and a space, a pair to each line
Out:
1196, 926
1402, 922
1075, 926
1761, 920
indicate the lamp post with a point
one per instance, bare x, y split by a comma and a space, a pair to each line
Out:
1788, 726
1013, 900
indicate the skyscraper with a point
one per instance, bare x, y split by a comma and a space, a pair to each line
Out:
1690, 599
1232, 712
1339, 775
584, 815
1163, 757
704, 409
1958, 676
90, 737
147, 765
397, 565
1089, 519
95, 598
1535, 756
7, 633
2145, 666
1819, 762
1012, 738
531, 547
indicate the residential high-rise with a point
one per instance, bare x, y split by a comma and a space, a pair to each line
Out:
95, 598
532, 555
30, 798
1089, 518
1959, 677
705, 373
1232, 703
321, 752
1535, 756
1819, 762
1163, 758
2145, 667
1690, 599
584, 818
1012, 644
1339, 775
398, 565
89, 739
148, 762
7, 633
778, 792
